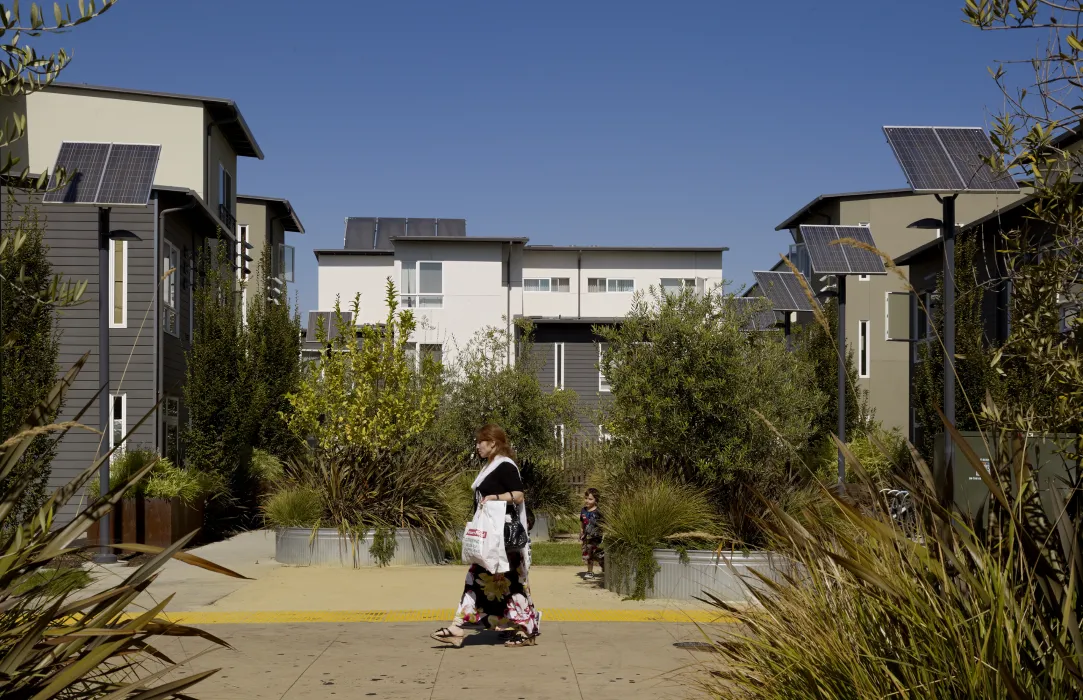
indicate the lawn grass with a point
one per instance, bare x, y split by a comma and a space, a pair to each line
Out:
56, 582
556, 554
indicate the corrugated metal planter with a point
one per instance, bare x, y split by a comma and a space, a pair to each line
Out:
540, 533
724, 574
299, 546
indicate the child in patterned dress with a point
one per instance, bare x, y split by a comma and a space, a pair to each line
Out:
590, 521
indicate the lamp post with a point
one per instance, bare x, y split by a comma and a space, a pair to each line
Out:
105, 553
946, 225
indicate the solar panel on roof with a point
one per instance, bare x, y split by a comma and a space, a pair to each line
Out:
798, 292
451, 227
104, 173
421, 227
83, 163
760, 316
360, 233
946, 159
129, 174
390, 228
829, 257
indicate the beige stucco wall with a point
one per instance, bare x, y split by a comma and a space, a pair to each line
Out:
344, 276
889, 376
58, 115
219, 152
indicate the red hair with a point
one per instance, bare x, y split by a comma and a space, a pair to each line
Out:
493, 433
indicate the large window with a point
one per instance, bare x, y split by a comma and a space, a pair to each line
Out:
118, 284
422, 285
171, 270
597, 285
863, 349
171, 430
547, 284
603, 383
285, 262
118, 422
673, 285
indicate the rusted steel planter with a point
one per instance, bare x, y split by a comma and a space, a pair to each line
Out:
155, 521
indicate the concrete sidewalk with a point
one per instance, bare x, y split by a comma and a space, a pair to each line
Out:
572, 660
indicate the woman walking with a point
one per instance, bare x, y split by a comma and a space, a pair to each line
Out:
497, 601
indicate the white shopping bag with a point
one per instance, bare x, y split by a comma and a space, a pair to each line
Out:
483, 540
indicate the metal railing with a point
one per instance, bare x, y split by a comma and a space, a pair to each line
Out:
227, 218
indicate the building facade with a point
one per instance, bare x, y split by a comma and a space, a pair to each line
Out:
459, 286
192, 206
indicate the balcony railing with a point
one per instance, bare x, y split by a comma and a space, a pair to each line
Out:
227, 218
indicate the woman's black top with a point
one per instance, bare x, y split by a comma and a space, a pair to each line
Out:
504, 479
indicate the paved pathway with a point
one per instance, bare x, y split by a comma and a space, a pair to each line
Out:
340, 633
618, 661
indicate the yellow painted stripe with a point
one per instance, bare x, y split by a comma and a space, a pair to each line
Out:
269, 617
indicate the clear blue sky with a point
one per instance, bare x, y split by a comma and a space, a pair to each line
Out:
632, 123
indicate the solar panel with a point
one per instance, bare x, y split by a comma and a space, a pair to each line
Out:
84, 164
129, 174
760, 316
451, 227
946, 159
421, 227
388, 229
829, 257
967, 146
360, 233
784, 290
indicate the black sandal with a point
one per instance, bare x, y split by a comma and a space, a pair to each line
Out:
522, 640
444, 636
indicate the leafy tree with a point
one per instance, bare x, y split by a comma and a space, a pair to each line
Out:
484, 388
218, 388
29, 374
687, 385
274, 346
975, 375
819, 347
365, 395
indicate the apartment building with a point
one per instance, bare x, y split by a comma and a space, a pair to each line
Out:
192, 205
459, 285
262, 227
878, 306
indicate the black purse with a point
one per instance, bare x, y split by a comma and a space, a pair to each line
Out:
515, 536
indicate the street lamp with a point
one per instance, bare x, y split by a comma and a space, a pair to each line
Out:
105, 553
947, 227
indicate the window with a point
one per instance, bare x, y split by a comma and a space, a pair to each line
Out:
118, 284
225, 189
603, 284
603, 434
925, 311
671, 285
547, 284
118, 423
603, 383
171, 430
863, 349
558, 433
286, 258
864, 278
897, 316
558, 365
422, 285
242, 251
171, 269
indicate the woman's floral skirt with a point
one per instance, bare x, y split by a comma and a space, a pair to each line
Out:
499, 601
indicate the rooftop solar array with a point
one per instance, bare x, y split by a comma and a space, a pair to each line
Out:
360, 233
830, 257
947, 159
784, 290
104, 173
373, 233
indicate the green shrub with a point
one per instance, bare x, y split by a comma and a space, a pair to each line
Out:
267, 468
165, 480
297, 506
652, 511
883, 453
